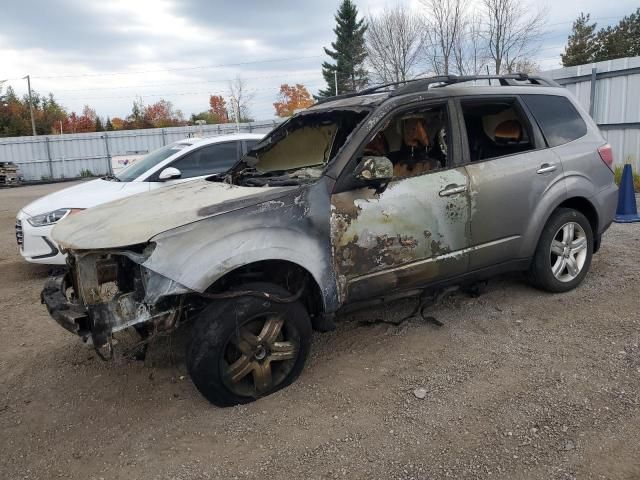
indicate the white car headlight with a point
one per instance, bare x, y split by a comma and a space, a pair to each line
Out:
50, 218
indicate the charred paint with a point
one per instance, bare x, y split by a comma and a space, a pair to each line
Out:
407, 223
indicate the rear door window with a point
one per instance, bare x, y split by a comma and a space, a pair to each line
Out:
496, 127
558, 119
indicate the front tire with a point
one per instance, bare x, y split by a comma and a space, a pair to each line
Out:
564, 252
248, 347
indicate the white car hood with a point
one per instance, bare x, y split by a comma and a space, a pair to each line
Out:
135, 220
86, 195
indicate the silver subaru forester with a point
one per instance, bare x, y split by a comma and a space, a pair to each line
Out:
400, 190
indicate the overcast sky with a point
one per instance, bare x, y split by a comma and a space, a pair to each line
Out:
104, 53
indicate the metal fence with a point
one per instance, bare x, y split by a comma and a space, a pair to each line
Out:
610, 91
54, 157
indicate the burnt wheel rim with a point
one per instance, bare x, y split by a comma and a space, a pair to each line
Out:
568, 252
260, 355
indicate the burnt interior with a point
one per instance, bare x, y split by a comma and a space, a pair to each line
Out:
298, 151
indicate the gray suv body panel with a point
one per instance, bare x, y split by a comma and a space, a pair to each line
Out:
359, 241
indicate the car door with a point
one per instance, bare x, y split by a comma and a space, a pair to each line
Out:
407, 233
200, 163
510, 171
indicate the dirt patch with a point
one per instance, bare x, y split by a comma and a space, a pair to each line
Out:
516, 384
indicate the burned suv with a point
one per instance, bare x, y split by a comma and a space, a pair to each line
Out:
394, 191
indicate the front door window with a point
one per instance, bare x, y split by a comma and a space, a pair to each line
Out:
412, 230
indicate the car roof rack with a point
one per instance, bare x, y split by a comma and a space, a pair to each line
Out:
421, 84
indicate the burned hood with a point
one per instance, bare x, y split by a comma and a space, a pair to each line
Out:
136, 219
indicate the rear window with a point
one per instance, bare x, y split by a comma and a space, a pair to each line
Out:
558, 119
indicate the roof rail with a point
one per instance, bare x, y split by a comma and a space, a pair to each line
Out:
422, 84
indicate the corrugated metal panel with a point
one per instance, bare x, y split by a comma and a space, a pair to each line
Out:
67, 156
626, 146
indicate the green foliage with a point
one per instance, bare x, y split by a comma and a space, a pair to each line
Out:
99, 127
108, 126
348, 52
86, 173
207, 116
618, 177
581, 46
585, 46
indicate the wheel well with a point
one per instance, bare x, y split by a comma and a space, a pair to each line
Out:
288, 275
585, 207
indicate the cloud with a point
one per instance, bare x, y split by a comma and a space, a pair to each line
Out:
107, 52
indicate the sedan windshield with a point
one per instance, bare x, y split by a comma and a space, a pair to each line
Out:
151, 160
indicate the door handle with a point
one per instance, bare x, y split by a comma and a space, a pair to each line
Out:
546, 168
452, 190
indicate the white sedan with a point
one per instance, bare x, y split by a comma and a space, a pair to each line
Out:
178, 162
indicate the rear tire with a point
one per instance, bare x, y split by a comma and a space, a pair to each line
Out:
564, 251
248, 347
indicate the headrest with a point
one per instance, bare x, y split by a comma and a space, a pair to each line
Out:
508, 131
415, 133
378, 146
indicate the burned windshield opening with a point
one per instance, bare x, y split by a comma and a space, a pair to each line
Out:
298, 151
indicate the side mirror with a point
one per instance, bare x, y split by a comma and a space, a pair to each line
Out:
374, 168
169, 173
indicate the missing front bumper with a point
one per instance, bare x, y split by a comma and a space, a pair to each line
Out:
103, 294
71, 316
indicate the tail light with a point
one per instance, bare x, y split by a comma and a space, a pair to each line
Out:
606, 154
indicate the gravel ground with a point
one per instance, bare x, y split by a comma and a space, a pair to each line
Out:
516, 384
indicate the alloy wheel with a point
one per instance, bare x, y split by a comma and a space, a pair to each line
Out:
568, 252
259, 355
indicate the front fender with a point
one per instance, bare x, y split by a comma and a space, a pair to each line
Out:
198, 254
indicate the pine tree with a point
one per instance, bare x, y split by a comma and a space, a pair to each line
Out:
581, 46
99, 127
348, 52
620, 41
108, 126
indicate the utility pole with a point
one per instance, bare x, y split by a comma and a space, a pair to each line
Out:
33, 122
335, 76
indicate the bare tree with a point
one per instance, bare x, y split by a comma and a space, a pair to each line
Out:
394, 44
239, 98
525, 65
512, 34
470, 50
444, 21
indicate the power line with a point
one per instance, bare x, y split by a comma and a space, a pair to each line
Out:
198, 67
170, 94
200, 82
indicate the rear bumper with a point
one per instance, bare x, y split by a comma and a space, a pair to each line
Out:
606, 202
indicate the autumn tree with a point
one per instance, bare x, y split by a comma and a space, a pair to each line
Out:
162, 114
218, 109
118, 123
292, 98
348, 52
86, 122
